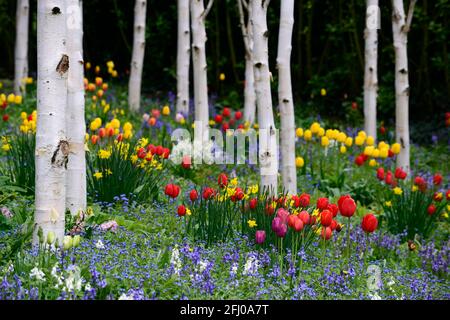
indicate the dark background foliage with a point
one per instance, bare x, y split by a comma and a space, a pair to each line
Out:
328, 50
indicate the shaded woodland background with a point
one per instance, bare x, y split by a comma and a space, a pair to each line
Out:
328, 51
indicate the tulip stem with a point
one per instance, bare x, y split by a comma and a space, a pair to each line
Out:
348, 243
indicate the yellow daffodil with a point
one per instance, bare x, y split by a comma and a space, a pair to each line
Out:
397, 191
104, 154
342, 149
98, 175
222, 77
414, 188
252, 223
323, 92
388, 204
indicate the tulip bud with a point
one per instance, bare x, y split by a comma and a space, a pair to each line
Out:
76, 240
40, 234
67, 242
50, 237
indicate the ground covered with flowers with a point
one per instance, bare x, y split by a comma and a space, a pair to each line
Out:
359, 227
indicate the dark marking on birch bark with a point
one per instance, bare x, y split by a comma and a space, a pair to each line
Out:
61, 155
63, 65
402, 143
56, 11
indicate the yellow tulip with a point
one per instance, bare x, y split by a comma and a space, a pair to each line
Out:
299, 162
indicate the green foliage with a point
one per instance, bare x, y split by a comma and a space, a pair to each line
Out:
20, 159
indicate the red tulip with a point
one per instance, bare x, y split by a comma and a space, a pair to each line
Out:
418, 181
380, 174
110, 132
238, 195
341, 200
298, 226
333, 225
437, 196
348, 207
260, 236
218, 118
291, 220
333, 208
193, 195
253, 203
141, 153
354, 105
172, 190
382, 130
437, 179
305, 217
431, 209
120, 137
304, 200
326, 217
5, 117
322, 203
400, 174
238, 115
389, 180
102, 132
181, 210
208, 193
359, 160
222, 180
326, 233
94, 139
270, 209
225, 126
159, 150
447, 195
186, 162
369, 223
390, 153
226, 112
165, 153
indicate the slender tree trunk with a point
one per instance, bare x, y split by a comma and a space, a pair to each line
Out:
231, 45
183, 57
249, 85
310, 8
198, 15
371, 70
75, 122
137, 60
268, 149
21, 50
400, 29
285, 99
52, 148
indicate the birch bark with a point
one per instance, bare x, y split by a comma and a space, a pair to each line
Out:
285, 99
75, 122
137, 60
400, 28
21, 48
183, 57
268, 149
371, 70
52, 148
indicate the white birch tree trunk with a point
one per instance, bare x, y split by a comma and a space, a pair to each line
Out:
137, 59
75, 122
249, 89
21, 49
400, 29
183, 57
52, 149
268, 150
285, 99
198, 16
371, 70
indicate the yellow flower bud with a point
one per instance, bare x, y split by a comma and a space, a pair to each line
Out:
299, 162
